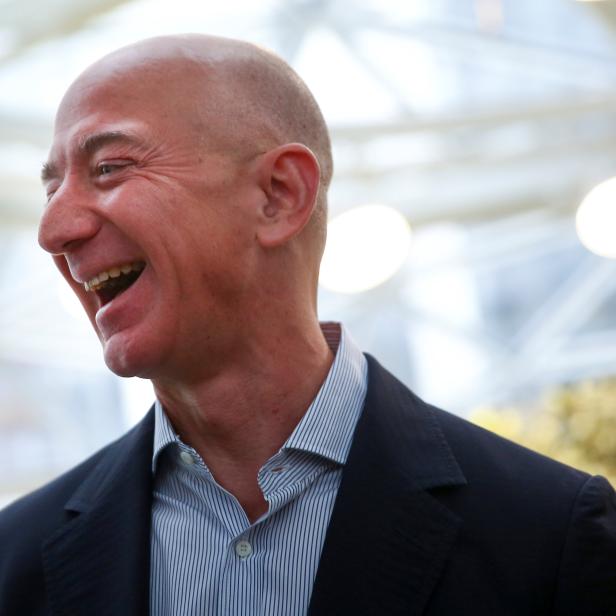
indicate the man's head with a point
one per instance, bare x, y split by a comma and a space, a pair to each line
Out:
190, 173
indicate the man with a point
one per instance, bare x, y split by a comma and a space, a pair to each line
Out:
281, 471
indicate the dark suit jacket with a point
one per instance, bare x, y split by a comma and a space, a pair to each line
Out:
434, 516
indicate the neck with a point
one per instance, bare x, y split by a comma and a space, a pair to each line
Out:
237, 419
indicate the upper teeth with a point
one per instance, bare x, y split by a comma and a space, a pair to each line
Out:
94, 284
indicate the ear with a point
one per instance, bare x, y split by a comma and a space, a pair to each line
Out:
289, 176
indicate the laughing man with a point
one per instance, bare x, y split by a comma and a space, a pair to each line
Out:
281, 471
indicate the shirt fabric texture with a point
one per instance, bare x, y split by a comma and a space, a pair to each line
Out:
206, 557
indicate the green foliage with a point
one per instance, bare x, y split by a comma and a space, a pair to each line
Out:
575, 424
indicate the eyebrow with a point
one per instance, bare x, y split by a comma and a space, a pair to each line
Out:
91, 144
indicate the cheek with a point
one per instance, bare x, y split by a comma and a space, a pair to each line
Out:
231, 274
209, 270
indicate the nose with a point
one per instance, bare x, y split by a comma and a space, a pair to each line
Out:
68, 220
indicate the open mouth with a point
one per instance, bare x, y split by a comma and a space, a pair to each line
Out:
112, 282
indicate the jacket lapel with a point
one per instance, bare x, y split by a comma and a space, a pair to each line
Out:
388, 538
98, 562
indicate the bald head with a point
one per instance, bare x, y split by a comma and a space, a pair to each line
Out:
240, 98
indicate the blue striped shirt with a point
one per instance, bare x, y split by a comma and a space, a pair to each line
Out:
207, 558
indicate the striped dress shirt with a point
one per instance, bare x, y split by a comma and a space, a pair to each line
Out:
207, 558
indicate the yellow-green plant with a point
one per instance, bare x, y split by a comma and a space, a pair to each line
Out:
575, 424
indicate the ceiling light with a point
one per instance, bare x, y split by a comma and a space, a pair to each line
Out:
365, 247
596, 219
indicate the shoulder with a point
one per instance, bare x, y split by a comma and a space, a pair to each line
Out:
561, 520
548, 531
498, 485
497, 461
542, 530
43, 508
29, 521
515, 485
24, 527
486, 460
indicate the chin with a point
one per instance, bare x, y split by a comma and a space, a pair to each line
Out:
129, 362
122, 368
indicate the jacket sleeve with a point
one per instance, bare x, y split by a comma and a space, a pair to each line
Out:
586, 584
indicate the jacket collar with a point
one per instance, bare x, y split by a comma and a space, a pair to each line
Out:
388, 538
98, 562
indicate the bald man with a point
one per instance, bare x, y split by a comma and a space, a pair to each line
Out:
281, 471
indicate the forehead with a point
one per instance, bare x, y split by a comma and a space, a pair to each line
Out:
117, 90
159, 104
90, 104
137, 80
97, 113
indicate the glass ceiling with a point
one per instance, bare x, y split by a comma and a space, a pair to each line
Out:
483, 122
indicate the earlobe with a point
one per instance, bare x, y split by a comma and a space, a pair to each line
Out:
290, 177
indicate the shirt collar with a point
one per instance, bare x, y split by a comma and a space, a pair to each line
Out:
327, 427
164, 433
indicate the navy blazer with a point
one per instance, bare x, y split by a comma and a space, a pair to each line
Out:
434, 516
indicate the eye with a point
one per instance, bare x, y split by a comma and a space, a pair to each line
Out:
105, 168
108, 167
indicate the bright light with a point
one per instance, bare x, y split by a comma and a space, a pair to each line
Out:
596, 219
69, 300
365, 246
137, 397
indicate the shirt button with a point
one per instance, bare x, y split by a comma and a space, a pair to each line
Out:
243, 549
187, 458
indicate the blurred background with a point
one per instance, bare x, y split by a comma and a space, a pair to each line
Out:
466, 133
